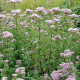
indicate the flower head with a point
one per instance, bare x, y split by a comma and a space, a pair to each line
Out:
73, 30
7, 34
40, 9
2, 16
15, 12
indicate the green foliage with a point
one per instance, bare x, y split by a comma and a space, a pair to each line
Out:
0, 7
42, 57
32, 4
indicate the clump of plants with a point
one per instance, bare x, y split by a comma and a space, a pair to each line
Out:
41, 44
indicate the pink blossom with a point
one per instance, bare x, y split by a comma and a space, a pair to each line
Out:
76, 62
73, 30
49, 21
56, 9
40, 9
71, 77
49, 11
29, 11
65, 65
67, 53
20, 70
14, 1
14, 75
77, 57
18, 61
52, 26
22, 49
2, 16
4, 78
35, 42
1, 55
26, 33
73, 16
46, 77
1, 70
56, 20
13, 40
15, 12
6, 61
66, 11
19, 79
58, 36
7, 34
33, 16
53, 39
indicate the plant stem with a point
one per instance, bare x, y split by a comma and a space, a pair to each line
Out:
50, 49
14, 5
39, 40
50, 45
39, 45
16, 24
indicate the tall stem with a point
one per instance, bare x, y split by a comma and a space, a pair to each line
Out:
14, 5
39, 43
39, 40
0, 26
50, 50
16, 24
50, 47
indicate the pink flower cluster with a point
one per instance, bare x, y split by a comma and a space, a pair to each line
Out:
66, 53
77, 57
19, 79
1, 70
54, 21
15, 12
35, 42
52, 26
66, 11
21, 70
2, 16
26, 33
33, 16
73, 16
14, 75
64, 72
13, 40
66, 66
40, 9
11, 25
18, 61
58, 37
71, 77
5, 61
49, 21
29, 11
57, 75
14, 1
4, 78
7, 34
56, 9
49, 11
53, 10
43, 31
1, 55
46, 77
73, 30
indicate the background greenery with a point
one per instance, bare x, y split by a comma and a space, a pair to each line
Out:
32, 4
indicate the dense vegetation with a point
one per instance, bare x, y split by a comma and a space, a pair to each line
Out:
40, 43
33, 4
